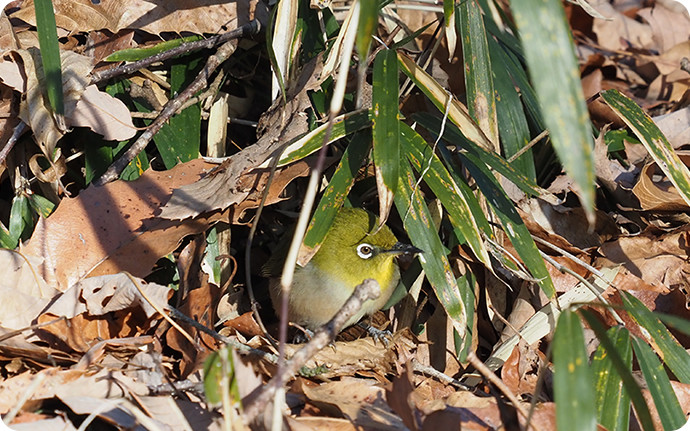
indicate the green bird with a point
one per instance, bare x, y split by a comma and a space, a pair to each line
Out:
351, 252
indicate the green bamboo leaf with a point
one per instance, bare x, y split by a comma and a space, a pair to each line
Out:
178, 141
513, 63
50, 54
572, 385
612, 400
420, 228
513, 226
675, 322
41, 205
368, 19
220, 378
410, 36
654, 141
442, 99
437, 177
622, 368
21, 219
466, 285
6, 240
479, 81
665, 400
386, 128
135, 54
335, 194
343, 125
513, 126
550, 55
663, 342
453, 136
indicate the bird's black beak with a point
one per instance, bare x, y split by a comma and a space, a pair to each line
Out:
402, 248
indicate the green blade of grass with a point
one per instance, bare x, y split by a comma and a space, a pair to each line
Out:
21, 220
385, 128
512, 224
437, 177
449, 26
512, 121
368, 18
665, 400
420, 228
663, 342
612, 400
135, 54
675, 322
478, 71
572, 385
453, 136
282, 42
41, 205
178, 141
335, 194
550, 55
343, 125
442, 99
50, 54
623, 370
654, 141
6, 240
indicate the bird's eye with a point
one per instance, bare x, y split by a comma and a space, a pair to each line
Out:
365, 251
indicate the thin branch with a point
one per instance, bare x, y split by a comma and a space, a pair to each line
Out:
493, 379
531, 143
369, 289
241, 348
251, 28
433, 372
18, 130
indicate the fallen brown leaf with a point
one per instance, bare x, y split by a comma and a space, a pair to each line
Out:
175, 16
109, 229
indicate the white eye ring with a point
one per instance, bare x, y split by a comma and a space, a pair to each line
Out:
365, 251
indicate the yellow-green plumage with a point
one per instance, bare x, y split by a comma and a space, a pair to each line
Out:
351, 252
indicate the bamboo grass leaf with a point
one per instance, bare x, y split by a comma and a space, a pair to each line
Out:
553, 68
386, 129
612, 400
663, 342
437, 177
573, 386
654, 141
665, 400
420, 228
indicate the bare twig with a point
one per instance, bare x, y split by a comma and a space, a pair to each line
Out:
582, 280
251, 28
159, 309
369, 289
18, 130
433, 372
493, 379
531, 143
241, 348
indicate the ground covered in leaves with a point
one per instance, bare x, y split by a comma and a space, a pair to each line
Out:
100, 298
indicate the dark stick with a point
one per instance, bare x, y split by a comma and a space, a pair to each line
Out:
249, 29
